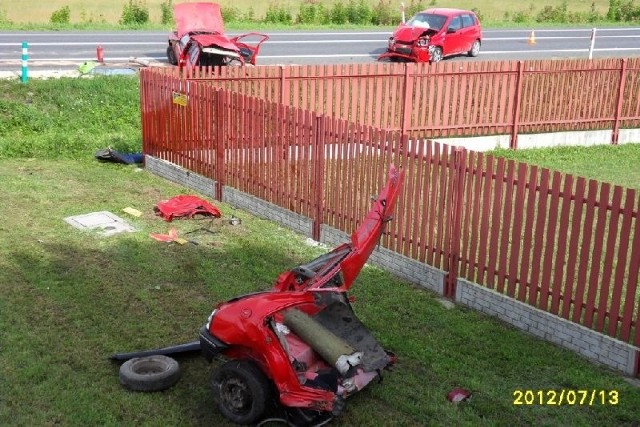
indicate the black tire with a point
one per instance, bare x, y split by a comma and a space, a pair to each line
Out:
475, 49
171, 56
241, 391
151, 373
436, 55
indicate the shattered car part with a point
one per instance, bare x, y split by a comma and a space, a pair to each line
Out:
301, 339
324, 354
199, 39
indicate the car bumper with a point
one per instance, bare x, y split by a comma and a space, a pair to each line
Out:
414, 55
210, 345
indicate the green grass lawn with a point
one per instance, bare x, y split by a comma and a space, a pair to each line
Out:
70, 299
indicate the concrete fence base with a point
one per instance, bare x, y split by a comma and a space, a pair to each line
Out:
597, 347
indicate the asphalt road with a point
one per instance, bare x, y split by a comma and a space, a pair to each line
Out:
66, 50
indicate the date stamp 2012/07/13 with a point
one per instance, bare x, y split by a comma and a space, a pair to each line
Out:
566, 397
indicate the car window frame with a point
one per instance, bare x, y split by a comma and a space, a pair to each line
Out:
457, 18
471, 21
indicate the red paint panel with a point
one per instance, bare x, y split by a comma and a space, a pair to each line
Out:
496, 216
539, 236
557, 288
622, 264
580, 308
527, 242
607, 272
551, 241
507, 218
596, 253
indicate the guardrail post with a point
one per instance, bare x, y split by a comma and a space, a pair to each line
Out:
616, 120
318, 177
513, 143
25, 59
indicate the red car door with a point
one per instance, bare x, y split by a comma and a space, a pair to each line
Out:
469, 32
453, 42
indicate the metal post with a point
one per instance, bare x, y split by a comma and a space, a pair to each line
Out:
593, 42
402, 9
318, 176
25, 58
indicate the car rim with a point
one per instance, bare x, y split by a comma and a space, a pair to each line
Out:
437, 55
236, 395
476, 48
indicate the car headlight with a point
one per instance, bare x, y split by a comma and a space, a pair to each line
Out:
422, 42
391, 41
210, 318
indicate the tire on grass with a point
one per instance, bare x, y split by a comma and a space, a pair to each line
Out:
151, 373
241, 391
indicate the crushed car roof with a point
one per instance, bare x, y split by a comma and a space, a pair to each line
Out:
198, 17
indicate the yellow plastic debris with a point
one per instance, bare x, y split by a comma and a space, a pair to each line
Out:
132, 211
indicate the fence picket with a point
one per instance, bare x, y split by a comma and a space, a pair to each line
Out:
524, 233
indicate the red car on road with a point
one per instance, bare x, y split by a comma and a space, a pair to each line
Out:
199, 39
433, 34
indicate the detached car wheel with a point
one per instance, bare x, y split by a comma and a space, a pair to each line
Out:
241, 391
475, 49
152, 373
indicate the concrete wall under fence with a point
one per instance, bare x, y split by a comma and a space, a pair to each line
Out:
593, 345
543, 140
590, 344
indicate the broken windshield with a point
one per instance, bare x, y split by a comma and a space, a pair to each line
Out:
427, 20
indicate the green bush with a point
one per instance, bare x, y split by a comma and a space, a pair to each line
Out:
135, 12
339, 14
384, 14
415, 7
61, 16
556, 14
3, 17
166, 7
277, 15
358, 12
250, 15
313, 12
621, 11
231, 14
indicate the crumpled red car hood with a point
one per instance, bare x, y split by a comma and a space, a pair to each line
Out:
409, 34
196, 17
337, 270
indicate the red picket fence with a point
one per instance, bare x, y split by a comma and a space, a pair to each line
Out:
557, 242
452, 98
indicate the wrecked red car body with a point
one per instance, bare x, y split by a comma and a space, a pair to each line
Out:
199, 39
433, 34
297, 348
300, 343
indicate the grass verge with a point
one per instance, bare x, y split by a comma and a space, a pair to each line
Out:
69, 299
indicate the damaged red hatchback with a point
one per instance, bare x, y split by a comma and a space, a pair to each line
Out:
433, 34
199, 39
300, 344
